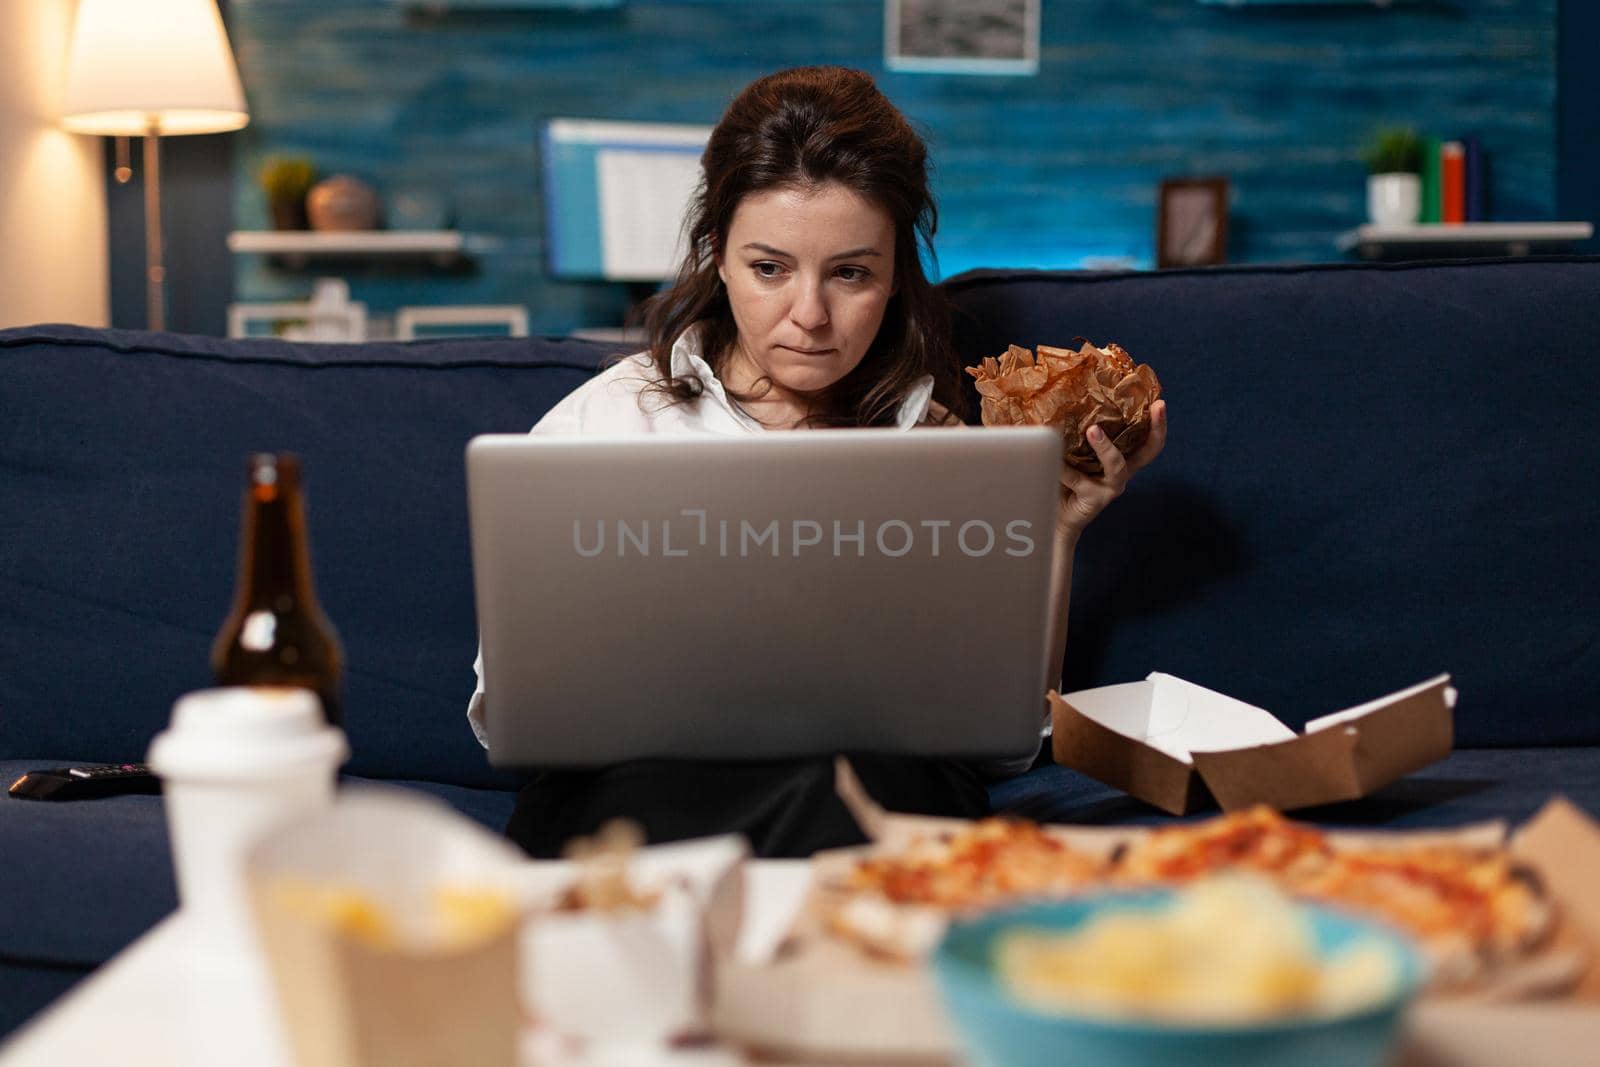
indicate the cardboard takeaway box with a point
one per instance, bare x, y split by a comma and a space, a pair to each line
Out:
364, 973
1176, 745
796, 994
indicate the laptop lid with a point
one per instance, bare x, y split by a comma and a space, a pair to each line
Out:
797, 593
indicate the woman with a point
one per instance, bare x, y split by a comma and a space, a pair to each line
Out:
801, 303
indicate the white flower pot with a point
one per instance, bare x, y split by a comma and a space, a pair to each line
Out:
1394, 199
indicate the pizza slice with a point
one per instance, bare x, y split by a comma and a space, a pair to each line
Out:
1257, 839
897, 904
991, 862
1473, 909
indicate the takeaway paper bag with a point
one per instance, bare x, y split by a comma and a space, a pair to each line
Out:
390, 928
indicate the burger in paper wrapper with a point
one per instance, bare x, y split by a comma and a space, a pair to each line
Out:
1073, 390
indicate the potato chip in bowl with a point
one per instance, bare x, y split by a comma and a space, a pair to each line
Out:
1229, 971
1228, 950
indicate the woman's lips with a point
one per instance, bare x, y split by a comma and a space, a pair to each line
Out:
808, 351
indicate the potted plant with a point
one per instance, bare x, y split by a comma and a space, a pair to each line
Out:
285, 180
1394, 188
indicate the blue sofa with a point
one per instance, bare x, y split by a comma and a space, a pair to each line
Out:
1375, 473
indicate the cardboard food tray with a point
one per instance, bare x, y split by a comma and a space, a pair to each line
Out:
411, 1001
819, 998
1177, 745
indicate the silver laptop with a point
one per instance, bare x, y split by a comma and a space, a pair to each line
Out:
797, 593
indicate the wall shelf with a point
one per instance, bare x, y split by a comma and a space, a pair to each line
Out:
1307, 3
454, 7
1462, 238
296, 247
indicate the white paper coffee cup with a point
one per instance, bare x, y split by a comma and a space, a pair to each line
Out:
234, 763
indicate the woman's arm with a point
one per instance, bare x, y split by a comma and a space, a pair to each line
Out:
1063, 548
1083, 497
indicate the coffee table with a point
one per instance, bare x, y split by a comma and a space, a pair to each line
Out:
172, 1000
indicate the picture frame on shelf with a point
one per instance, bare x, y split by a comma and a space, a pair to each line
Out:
1192, 222
329, 316
962, 36
488, 320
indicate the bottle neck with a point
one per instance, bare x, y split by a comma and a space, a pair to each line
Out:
274, 564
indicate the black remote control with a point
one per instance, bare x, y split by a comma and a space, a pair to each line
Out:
86, 783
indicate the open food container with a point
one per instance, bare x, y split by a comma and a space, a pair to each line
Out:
625, 963
800, 991
389, 927
1178, 745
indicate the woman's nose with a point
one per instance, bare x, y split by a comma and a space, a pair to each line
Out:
809, 310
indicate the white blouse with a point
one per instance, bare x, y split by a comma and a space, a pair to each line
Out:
615, 401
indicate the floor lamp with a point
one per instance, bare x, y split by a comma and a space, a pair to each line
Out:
151, 69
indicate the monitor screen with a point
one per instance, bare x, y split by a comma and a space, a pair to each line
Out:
615, 196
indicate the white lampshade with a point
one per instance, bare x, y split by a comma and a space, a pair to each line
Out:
135, 63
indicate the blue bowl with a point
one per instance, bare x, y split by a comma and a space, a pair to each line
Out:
999, 1031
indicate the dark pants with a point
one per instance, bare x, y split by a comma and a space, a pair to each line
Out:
786, 808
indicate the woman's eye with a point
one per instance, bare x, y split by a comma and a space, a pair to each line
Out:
853, 274
768, 270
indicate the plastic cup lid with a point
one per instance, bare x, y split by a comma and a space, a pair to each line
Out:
246, 732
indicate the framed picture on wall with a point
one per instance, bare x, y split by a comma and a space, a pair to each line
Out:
461, 320
962, 36
1192, 222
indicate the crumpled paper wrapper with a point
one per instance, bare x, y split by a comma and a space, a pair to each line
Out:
1073, 390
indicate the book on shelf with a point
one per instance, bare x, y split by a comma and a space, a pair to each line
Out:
1430, 180
1452, 182
1455, 180
1477, 180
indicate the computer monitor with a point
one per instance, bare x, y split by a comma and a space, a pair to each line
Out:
616, 194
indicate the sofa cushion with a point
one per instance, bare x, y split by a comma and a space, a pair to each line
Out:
84, 878
1472, 785
122, 457
29, 988
1375, 474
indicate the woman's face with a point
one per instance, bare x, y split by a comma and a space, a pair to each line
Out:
808, 273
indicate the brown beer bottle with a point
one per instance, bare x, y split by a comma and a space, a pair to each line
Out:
276, 633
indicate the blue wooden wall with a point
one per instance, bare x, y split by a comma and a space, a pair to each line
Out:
1051, 171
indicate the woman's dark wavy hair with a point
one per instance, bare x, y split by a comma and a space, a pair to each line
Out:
802, 128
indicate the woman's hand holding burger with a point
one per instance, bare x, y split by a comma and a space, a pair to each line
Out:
1109, 410
1083, 496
